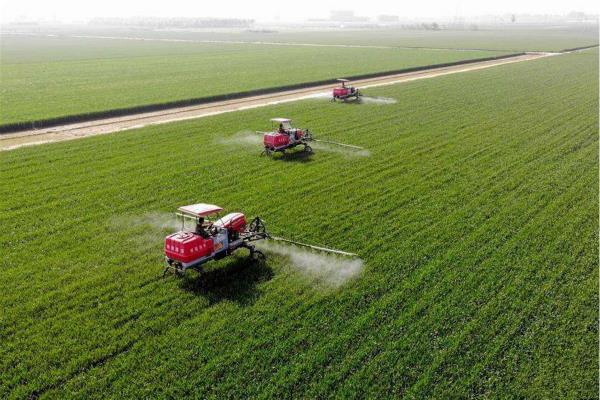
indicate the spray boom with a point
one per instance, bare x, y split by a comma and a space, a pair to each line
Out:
257, 231
334, 251
339, 144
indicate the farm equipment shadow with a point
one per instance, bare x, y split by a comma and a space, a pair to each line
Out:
296, 156
351, 102
235, 281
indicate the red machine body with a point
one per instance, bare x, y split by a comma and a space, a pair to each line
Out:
279, 139
186, 246
235, 222
341, 92
275, 139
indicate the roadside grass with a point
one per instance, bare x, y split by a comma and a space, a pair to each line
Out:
476, 214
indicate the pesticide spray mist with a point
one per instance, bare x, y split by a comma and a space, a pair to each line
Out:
377, 100
245, 138
153, 221
331, 270
147, 231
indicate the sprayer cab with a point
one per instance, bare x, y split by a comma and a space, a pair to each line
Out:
344, 91
205, 236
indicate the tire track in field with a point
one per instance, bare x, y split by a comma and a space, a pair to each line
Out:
431, 296
37, 393
366, 319
334, 340
498, 329
526, 318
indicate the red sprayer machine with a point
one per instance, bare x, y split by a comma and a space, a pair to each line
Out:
345, 91
210, 237
284, 136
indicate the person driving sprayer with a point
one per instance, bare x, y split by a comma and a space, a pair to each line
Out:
281, 129
200, 228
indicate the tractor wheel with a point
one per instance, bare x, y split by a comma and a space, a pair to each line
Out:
179, 271
258, 255
308, 149
268, 152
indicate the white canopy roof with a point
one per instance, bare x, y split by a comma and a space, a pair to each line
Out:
200, 209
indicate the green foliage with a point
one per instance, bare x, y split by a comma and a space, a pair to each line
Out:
57, 76
476, 215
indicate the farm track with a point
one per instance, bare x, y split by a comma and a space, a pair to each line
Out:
72, 131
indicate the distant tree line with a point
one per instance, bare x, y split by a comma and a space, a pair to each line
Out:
433, 26
182, 22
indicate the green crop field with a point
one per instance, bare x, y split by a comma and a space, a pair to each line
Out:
45, 77
475, 212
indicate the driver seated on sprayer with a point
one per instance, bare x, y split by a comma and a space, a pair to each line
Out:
200, 228
291, 134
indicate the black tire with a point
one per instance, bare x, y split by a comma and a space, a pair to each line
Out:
308, 149
258, 255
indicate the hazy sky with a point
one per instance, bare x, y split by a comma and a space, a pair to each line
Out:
286, 10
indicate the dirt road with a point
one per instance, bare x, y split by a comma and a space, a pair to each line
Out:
78, 130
